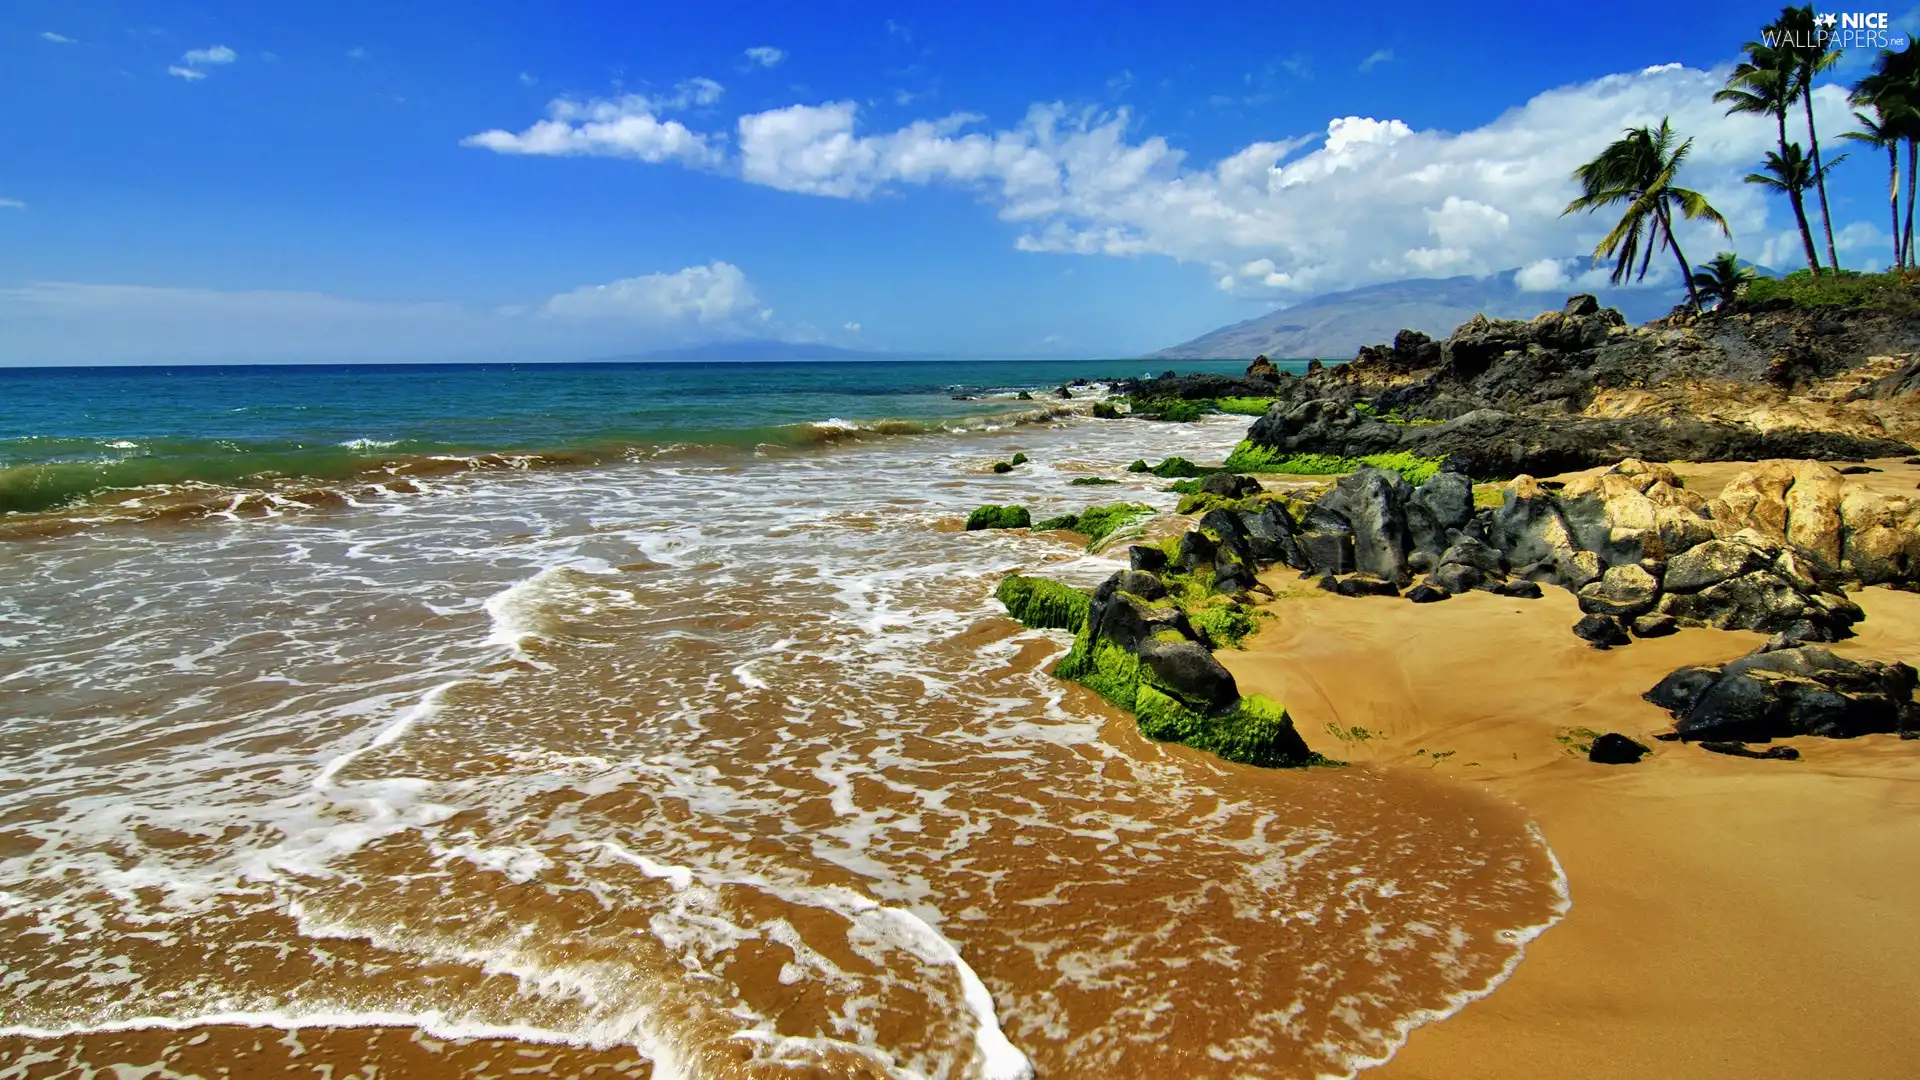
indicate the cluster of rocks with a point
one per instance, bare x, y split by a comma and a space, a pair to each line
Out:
1779, 692
1645, 555
1499, 397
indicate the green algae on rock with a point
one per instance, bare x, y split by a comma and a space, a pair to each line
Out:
999, 517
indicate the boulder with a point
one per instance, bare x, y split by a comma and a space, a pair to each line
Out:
1711, 563
1475, 553
1326, 542
1230, 485
1263, 369
1614, 748
1427, 593
1516, 588
1456, 577
1623, 591
1189, 671
1142, 584
1373, 501
1365, 584
1150, 559
1802, 690
1654, 625
1763, 600
1436, 508
1601, 631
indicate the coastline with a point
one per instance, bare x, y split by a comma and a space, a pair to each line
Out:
1729, 917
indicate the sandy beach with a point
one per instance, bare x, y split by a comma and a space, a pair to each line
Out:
1731, 917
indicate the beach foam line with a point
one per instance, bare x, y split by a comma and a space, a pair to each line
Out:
994, 1055
413, 714
1519, 938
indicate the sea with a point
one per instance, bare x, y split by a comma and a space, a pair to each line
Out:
654, 720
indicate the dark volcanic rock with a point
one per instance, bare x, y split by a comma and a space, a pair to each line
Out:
1190, 671
1614, 748
1151, 559
1436, 508
1710, 564
1654, 625
1803, 690
1364, 584
1467, 551
1142, 584
1230, 485
1456, 577
1735, 749
1262, 370
1518, 589
1601, 631
1425, 593
1373, 501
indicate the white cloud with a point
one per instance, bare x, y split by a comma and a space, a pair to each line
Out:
12, 204
1367, 199
65, 322
766, 56
708, 295
622, 127
851, 328
1547, 275
527, 80
213, 54
188, 74
1375, 59
57, 39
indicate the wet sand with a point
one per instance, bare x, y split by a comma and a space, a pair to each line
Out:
1731, 917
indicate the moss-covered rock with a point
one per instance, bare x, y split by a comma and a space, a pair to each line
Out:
1178, 466
1227, 624
1003, 466
999, 517
1099, 522
1091, 481
1250, 457
1069, 522
1103, 410
1018, 459
1040, 604
1139, 465
1256, 731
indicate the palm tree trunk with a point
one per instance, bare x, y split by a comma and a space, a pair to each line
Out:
1819, 175
1893, 201
1686, 272
1906, 243
1806, 235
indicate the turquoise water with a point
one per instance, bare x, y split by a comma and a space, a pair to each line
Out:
66, 433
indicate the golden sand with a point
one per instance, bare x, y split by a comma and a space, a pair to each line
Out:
1731, 917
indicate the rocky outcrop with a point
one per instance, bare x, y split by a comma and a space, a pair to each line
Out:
1614, 748
1262, 370
1779, 693
1577, 388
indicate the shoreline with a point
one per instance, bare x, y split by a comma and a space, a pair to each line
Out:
1707, 892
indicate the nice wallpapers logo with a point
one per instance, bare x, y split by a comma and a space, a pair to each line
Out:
1841, 30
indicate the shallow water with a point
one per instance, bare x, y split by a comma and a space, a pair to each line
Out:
721, 767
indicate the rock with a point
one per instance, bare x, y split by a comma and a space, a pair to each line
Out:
1475, 553
1601, 631
1710, 564
1373, 501
1436, 508
1762, 600
1801, 690
1581, 304
1623, 591
1426, 593
1857, 470
1196, 550
1262, 368
1104, 410
1063, 393
1326, 541
1579, 569
1654, 625
1735, 749
1150, 559
1544, 573
1365, 584
1190, 672
999, 517
1142, 584
1230, 486
1517, 589
1456, 577
1614, 748
1023, 396
1419, 562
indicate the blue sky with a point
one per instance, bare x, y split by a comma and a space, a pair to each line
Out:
239, 181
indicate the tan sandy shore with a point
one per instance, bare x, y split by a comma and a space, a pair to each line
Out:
1731, 917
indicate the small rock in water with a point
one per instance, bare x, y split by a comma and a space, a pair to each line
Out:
1911, 461
1427, 594
1856, 470
1601, 631
1734, 749
1063, 393
1614, 748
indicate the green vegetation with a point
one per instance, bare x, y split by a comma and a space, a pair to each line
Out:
1486, 495
1354, 734
1018, 459
999, 517
1103, 410
1040, 604
1250, 458
1175, 410
1185, 487
1243, 406
1097, 523
1395, 415
1172, 467
1576, 741
1842, 289
1090, 481
1722, 278
1226, 624
1003, 466
1139, 465
1201, 501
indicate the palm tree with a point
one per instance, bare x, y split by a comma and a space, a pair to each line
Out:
1811, 53
1722, 278
1764, 85
1792, 174
1638, 169
1894, 89
1882, 132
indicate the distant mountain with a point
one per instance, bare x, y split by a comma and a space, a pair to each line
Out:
1334, 326
752, 350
